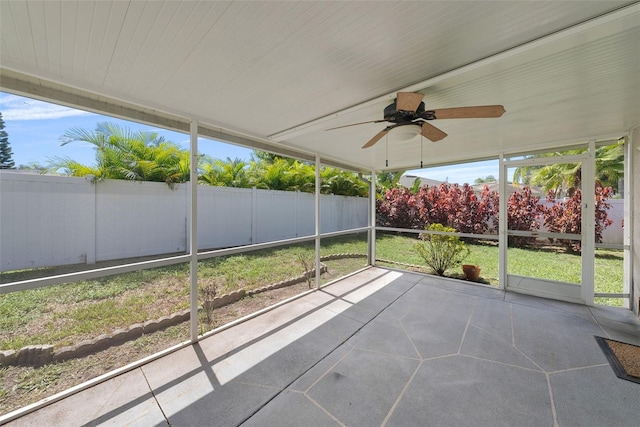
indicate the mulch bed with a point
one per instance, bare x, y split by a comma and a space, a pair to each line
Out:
624, 358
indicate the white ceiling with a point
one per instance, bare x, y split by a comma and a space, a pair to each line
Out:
566, 71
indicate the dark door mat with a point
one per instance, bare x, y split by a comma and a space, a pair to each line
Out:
624, 358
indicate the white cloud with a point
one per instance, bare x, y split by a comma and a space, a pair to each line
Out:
15, 107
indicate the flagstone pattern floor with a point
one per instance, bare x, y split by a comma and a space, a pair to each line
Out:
381, 347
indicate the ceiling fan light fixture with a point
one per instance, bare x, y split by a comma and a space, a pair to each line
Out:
405, 133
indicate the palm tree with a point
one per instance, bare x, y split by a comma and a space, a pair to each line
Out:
610, 164
123, 154
269, 175
273, 172
522, 175
387, 180
558, 177
563, 177
342, 183
229, 173
264, 156
300, 176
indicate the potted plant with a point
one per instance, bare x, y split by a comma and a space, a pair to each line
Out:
471, 272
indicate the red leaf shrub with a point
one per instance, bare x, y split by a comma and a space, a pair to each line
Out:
566, 216
398, 208
460, 208
451, 205
433, 205
523, 212
489, 206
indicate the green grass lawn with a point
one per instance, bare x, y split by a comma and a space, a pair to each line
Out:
65, 314
69, 313
542, 263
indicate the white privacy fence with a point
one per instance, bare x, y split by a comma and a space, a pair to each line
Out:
54, 220
614, 234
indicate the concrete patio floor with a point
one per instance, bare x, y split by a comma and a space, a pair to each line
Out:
381, 347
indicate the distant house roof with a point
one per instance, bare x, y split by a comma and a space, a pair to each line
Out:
408, 180
495, 186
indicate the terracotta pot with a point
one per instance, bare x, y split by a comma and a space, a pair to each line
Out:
471, 272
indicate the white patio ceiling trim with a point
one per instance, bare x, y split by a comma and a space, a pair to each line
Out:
275, 75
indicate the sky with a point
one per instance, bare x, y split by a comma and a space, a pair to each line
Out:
35, 127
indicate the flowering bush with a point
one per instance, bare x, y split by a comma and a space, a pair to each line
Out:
441, 252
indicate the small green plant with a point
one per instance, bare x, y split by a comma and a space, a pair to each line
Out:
441, 252
208, 294
307, 264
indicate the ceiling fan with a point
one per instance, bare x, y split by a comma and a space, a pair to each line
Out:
408, 109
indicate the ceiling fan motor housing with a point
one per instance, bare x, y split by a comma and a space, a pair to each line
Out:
391, 114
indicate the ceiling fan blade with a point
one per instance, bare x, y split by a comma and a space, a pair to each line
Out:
431, 132
356, 124
408, 101
479, 112
377, 138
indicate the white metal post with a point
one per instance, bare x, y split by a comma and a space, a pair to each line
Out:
502, 224
318, 272
193, 230
588, 244
372, 220
628, 229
